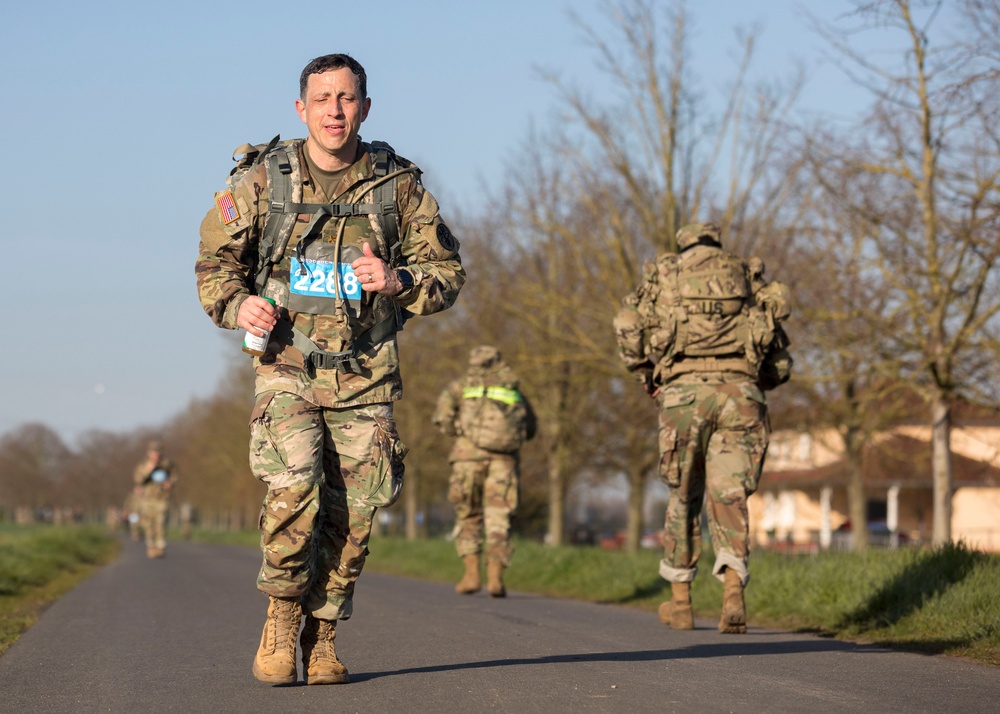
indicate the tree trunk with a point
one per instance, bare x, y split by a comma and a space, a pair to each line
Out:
636, 499
557, 497
941, 467
411, 504
857, 503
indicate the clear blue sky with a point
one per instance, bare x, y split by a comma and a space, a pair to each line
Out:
119, 120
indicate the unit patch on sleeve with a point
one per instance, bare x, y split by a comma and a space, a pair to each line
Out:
227, 207
445, 238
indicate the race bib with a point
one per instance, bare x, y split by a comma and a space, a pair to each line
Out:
158, 476
320, 280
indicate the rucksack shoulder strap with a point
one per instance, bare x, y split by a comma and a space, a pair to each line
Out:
284, 179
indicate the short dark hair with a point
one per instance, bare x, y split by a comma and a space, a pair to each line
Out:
327, 63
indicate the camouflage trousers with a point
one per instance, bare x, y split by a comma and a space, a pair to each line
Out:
327, 472
484, 493
713, 438
154, 521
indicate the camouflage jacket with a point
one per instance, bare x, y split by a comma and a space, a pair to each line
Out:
228, 254
447, 415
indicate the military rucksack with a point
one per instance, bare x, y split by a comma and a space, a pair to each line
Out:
495, 418
705, 310
281, 162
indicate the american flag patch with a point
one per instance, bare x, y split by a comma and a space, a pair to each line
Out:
227, 207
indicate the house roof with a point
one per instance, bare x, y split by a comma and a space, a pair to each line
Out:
895, 460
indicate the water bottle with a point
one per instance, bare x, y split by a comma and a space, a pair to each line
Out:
254, 345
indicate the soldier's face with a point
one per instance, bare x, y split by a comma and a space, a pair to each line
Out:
333, 110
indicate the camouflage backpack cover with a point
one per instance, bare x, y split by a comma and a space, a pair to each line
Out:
495, 417
705, 309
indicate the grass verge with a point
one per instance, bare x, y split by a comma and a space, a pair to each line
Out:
934, 601
39, 564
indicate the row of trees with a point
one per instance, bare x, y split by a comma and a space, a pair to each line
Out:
885, 227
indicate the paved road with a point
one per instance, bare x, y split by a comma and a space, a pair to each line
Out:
178, 635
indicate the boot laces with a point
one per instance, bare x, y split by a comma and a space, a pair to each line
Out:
283, 625
322, 647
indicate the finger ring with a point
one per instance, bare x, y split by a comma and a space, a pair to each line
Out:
371, 277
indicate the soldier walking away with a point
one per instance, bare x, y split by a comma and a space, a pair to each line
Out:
491, 420
319, 249
703, 334
154, 476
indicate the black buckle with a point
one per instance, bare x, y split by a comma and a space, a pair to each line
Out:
341, 210
344, 362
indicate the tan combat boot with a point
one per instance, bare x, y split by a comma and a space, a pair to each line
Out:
275, 659
734, 614
676, 611
470, 582
319, 659
494, 579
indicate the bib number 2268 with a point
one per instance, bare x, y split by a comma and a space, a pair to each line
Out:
319, 279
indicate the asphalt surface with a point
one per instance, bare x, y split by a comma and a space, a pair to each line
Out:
179, 635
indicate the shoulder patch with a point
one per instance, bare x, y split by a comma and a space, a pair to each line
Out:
445, 238
227, 207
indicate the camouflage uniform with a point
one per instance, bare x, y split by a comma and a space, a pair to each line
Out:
155, 481
484, 483
324, 441
696, 332
713, 436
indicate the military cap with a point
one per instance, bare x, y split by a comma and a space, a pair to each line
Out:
698, 233
483, 356
154, 445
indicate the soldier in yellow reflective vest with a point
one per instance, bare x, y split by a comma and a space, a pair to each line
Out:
490, 419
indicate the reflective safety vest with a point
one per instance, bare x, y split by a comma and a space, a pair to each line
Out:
494, 418
499, 394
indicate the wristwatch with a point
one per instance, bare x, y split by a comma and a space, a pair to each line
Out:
405, 278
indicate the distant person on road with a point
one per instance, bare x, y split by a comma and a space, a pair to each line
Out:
133, 513
327, 244
702, 332
491, 419
154, 476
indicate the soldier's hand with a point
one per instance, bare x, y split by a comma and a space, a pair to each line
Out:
375, 275
257, 316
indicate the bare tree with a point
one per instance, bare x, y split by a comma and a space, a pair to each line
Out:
928, 153
610, 191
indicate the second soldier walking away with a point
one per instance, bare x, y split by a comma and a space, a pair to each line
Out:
327, 244
703, 334
490, 419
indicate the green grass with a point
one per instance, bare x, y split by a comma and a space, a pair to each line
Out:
940, 601
38, 564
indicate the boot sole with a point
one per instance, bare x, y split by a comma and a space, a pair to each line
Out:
272, 678
732, 629
329, 679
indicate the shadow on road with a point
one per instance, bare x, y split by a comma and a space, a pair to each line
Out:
726, 649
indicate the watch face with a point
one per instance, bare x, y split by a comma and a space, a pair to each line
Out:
405, 278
